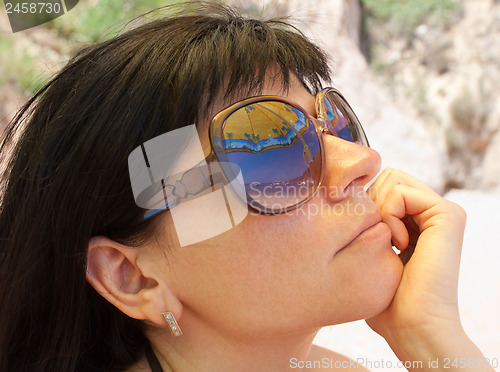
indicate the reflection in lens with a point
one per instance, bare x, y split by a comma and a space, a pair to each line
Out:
278, 151
342, 120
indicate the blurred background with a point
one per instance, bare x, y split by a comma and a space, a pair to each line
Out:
423, 77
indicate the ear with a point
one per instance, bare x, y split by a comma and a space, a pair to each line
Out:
116, 272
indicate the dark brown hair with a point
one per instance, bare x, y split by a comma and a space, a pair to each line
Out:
65, 176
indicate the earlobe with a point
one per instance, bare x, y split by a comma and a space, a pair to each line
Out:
113, 270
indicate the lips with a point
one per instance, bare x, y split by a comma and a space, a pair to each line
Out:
370, 221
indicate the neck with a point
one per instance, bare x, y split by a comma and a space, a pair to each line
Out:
204, 348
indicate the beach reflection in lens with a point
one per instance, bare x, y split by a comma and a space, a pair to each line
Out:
278, 151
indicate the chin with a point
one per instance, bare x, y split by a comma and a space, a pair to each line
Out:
383, 286
370, 282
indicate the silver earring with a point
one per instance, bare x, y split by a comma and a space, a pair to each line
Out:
172, 323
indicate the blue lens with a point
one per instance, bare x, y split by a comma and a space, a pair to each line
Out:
341, 119
278, 150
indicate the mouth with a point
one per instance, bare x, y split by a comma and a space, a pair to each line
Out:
370, 225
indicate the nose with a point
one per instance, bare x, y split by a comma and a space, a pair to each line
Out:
348, 167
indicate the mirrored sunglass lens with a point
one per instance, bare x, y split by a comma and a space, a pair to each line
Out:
342, 119
278, 151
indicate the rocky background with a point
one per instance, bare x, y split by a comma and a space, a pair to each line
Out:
424, 83
449, 72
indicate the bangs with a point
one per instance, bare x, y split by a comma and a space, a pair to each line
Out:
219, 53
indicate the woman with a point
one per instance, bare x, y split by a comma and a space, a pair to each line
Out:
98, 274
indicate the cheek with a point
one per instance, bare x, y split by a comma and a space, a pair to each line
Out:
257, 273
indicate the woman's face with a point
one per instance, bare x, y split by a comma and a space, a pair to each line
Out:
330, 261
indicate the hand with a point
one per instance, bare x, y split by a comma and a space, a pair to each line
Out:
422, 320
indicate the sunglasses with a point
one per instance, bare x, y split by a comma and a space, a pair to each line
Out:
268, 147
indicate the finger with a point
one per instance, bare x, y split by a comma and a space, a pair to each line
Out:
441, 224
403, 201
393, 211
389, 178
400, 235
375, 191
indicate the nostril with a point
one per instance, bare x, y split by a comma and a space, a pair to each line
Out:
352, 189
357, 181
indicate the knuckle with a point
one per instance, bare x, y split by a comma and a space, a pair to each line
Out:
456, 211
459, 212
394, 177
394, 173
398, 190
388, 172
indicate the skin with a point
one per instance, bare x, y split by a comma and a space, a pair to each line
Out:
255, 296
